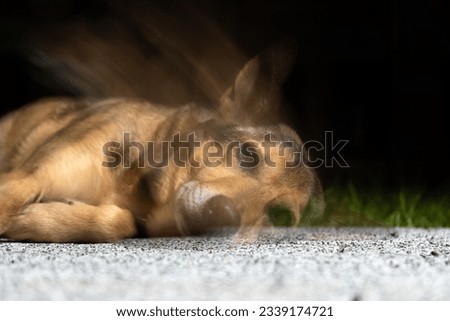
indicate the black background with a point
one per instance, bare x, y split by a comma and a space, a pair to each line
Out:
374, 72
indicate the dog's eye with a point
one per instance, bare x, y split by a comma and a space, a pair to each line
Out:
249, 156
280, 216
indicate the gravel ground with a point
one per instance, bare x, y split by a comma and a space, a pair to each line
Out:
284, 264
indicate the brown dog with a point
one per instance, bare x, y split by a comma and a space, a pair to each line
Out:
97, 171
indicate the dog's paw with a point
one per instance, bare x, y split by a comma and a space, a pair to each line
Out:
30, 224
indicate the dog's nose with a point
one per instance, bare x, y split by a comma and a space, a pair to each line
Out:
219, 211
218, 214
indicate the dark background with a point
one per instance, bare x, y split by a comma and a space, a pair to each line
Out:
375, 72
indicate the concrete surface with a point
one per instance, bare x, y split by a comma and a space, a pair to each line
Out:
284, 264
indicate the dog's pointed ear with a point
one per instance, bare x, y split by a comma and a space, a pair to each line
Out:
255, 96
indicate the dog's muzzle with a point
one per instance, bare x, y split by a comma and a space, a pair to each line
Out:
202, 210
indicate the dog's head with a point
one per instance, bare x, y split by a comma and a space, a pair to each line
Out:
251, 170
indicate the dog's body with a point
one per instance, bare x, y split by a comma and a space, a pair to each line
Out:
78, 170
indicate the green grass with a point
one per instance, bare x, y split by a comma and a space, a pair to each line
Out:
352, 206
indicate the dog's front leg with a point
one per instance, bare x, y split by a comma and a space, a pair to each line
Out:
71, 221
16, 191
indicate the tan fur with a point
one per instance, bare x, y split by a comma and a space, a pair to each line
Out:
54, 188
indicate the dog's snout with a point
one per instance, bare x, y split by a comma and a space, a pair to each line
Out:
203, 210
220, 211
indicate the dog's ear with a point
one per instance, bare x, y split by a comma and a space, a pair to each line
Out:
255, 96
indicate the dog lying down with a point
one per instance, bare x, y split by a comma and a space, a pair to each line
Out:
104, 170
